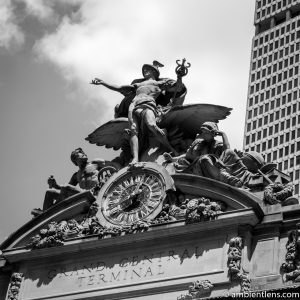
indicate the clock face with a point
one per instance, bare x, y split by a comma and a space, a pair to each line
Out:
131, 196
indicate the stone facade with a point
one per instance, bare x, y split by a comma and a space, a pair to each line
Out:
242, 249
206, 221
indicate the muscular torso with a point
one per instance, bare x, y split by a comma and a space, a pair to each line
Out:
88, 178
147, 90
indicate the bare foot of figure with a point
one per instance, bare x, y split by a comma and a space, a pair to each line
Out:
133, 162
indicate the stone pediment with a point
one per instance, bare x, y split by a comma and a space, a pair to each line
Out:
234, 198
75, 206
239, 203
197, 247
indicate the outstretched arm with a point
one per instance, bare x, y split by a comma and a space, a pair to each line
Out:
123, 89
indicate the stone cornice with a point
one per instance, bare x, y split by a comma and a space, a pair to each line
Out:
156, 233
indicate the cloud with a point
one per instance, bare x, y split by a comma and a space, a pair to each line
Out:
43, 10
108, 39
48, 11
10, 32
13, 13
112, 39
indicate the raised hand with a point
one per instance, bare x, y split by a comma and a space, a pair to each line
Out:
52, 182
97, 81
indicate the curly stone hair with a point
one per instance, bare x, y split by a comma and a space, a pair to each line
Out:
74, 154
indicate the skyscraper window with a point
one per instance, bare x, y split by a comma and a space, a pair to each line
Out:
274, 71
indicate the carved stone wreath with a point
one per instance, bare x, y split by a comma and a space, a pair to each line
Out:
277, 193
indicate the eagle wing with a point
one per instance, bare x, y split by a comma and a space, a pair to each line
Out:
189, 118
111, 134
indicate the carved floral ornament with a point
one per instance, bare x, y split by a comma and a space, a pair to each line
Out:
234, 264
14, 286
198, 289
291, 266
175, 207
276, 193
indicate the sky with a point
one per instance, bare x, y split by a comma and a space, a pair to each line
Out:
50, 50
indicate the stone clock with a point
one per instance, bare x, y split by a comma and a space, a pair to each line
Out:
134, 194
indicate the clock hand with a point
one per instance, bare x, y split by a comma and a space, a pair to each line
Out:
115, 212
127, 197
139, 185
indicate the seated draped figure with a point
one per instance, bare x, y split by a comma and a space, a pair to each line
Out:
214, 159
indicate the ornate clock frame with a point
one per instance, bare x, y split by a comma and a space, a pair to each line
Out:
135, 193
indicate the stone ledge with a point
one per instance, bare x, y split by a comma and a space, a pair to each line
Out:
155, 234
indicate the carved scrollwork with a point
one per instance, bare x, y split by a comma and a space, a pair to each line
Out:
139, 226
14, 286
176, 207
291, 266
234, 264
199, 288
202, 209
188, 208
106, 232
235, 255
245, 282
48, 237
57, 233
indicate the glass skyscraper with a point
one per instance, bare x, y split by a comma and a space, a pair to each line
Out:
272, 125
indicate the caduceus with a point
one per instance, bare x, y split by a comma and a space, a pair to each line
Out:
182, 69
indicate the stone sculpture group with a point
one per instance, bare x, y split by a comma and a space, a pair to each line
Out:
160, 139
152, 124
